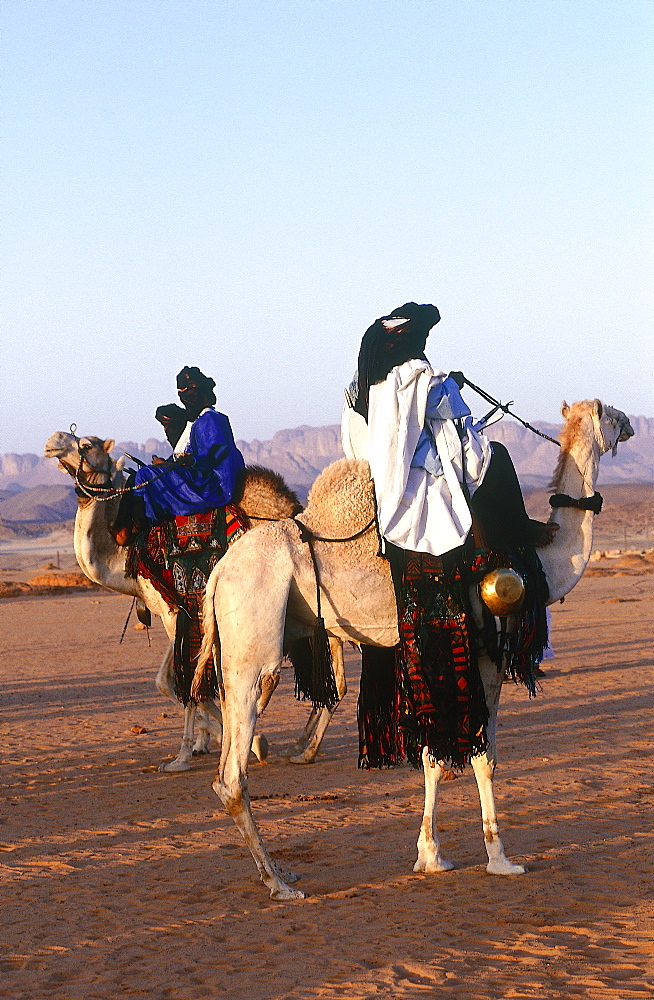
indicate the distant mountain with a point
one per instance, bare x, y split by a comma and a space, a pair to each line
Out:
301, 453
40, 503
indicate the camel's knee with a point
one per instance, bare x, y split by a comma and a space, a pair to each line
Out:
268, 684
231, 796
484, 766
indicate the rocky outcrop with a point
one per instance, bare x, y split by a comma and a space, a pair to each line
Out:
298, 455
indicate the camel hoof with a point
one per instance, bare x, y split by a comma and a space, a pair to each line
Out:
260, 747
505, 867
285, 893
433, 867
284, 875
202, 752
175, 765
303, 758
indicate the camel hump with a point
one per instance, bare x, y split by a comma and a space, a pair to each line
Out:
342, 499
262, 493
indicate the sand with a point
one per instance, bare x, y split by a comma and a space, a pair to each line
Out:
119, 881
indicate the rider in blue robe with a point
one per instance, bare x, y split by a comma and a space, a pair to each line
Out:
207, 464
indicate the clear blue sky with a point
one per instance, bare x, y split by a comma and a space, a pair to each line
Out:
245, 185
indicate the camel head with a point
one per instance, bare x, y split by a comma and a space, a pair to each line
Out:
590, 417
87, 455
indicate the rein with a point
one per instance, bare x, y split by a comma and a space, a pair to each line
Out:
504, 407
593, 503
308, 536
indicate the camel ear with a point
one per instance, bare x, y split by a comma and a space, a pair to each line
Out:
120, 462
565, 409
598, 408
108, 445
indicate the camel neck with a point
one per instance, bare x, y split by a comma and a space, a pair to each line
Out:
576, 471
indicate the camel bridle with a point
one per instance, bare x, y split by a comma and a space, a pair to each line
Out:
619, 423
97, 491
83, 486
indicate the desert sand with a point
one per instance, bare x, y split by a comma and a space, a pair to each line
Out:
120, 881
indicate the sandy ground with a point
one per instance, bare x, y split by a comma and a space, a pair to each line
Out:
119, 881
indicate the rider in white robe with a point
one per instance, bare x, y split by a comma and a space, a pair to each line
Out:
425, 457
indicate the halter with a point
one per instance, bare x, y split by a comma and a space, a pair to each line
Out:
594, 502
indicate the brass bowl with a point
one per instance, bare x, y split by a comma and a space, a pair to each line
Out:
502, 591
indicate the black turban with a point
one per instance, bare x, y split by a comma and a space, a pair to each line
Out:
189, 377
390, 341
195, 376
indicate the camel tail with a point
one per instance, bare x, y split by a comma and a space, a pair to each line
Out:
210, 640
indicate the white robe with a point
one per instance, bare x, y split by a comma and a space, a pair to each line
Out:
418, 510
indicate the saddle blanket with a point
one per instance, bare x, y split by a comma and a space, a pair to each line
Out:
177, 556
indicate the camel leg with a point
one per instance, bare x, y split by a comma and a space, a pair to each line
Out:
207, 727
309, 730
251, 636
483, 766
230, 784
207, 714
165, 686
183, 759
164, 679
269, 682
309, 743
430, 860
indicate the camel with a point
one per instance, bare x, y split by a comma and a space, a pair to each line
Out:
265, 594
264, 495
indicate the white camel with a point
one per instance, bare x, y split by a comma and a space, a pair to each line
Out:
264, 495
265, 593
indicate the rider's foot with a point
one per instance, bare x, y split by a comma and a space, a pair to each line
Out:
122, 536
542, 534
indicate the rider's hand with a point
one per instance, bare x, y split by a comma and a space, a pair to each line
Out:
185, 459
158, 461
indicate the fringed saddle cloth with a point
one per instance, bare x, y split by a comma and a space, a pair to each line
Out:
427, 691
177, 556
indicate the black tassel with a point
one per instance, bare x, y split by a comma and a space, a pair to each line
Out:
312, 665
299, 653
323, 684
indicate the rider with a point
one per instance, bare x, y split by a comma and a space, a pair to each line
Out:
206, 460
202, 472
426, 459
173, 419
449, 509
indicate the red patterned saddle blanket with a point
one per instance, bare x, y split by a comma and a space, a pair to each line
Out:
177, 556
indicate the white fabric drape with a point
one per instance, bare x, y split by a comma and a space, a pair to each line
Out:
417, 510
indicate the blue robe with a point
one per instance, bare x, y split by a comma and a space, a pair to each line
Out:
209, 482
